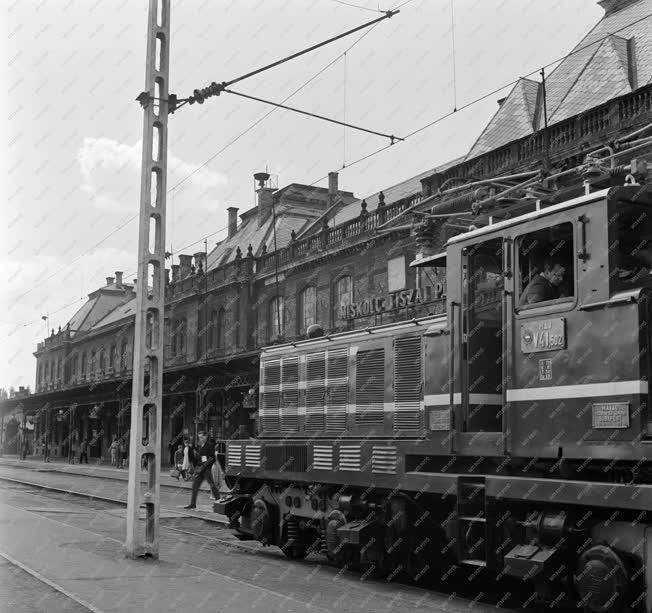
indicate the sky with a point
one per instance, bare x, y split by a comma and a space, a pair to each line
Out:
72, 138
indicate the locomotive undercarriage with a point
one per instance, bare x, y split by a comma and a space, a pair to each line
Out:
560, 554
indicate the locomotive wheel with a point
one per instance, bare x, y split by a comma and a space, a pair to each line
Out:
261, 527
292, 544
335, 551
601, 580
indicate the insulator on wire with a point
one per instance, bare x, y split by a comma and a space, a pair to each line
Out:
199, 95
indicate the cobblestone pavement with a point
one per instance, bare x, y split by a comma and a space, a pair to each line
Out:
77, 544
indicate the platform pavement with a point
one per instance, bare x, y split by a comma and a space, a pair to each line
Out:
94, 469
91, 568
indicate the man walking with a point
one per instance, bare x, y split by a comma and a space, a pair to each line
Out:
83, 451
206, 453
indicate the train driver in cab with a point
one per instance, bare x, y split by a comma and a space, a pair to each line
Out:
546, 285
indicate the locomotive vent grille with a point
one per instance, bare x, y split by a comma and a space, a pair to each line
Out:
407, 383
383, 460
269, 413
337, 389
252, 456
322, 457
315, 391
290, 458
234, 455
350, 457
289, 412
370, 387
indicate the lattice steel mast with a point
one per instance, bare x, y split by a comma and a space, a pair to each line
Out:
147, 387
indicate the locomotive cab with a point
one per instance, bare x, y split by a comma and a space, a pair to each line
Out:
549, 318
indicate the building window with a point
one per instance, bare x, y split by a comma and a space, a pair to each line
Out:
276, 317
93, 362
123, 355
201, 334
83, 364
396, 277
221, 329
307, 308
212, 328
51, 371
112, 358
102, 361
58, 369
179, 337
343, 294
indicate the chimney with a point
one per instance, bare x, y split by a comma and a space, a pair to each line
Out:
175, 273
233, 220
332, 188
265, 197
185, 261
118, 278
613, 6
110, 280
200, 261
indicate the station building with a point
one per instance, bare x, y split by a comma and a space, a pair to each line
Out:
306, 255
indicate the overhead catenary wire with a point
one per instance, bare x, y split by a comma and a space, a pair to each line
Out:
214, 88
454, 60
357, 6
484, 97
314, 115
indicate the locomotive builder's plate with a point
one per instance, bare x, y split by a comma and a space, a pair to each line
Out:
543, 335
610, 415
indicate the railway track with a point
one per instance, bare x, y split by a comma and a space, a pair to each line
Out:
478, 602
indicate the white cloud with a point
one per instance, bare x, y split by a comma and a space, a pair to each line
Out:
111, 177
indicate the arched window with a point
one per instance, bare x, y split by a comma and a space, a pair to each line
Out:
221, 329
307, 308
58, 369
343, 294
276, 317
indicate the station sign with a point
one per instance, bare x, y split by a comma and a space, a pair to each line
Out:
376, 305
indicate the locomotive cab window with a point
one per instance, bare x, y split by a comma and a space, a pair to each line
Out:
630, 240
545, 266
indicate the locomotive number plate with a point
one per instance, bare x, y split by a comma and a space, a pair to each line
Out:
611, 415
543, 335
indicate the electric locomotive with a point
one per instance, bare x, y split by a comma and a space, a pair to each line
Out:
505, 435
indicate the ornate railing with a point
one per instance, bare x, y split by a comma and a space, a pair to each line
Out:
328, 237
575, 133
